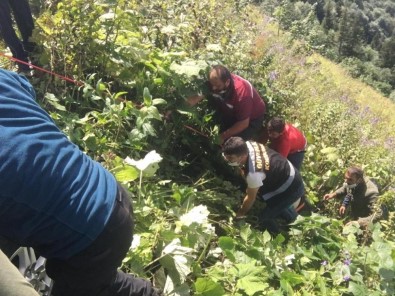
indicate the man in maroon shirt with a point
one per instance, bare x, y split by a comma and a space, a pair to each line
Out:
237, 102
287, 140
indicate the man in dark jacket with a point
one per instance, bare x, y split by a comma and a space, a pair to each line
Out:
359, 193
269, 176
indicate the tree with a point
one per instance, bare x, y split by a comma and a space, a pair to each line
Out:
350, 33
387, 53
329, 21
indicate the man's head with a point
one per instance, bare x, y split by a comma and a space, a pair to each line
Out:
275, 127
221, 82
235, 151
353, 176
219, 78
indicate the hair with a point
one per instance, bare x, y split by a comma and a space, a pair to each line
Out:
355, 171
276, 124
222, 72
235, 146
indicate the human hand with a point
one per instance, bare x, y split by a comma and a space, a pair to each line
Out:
363, 222
239, 221
329, 196
237, 218
193, 100
221, 139
168, 114
342, 210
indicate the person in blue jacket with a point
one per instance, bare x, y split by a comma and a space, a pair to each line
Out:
24, 20
59, 201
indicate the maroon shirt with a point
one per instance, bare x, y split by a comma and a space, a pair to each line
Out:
245, 102
291, 141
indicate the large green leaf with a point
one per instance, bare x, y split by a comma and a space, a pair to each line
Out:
252, 284
189, 68
292, 278
387, 274
245, 232
54, 102
287, 288
357, 290
226, 243
147, 97
208, 287
158, 101
177, 260
126, 173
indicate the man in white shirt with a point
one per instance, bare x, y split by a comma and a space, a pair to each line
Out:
269, 176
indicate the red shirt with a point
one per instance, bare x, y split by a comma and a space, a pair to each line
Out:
245, 102
291, 141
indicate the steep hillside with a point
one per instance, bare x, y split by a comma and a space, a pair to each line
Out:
138, 61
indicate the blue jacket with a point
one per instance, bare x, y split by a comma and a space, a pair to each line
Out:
52, 196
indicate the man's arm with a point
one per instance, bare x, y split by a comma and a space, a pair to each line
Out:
329, 195
339, 192
248, 201
235, 129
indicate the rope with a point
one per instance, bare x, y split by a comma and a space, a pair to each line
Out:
42, 69
194, 130
73, 81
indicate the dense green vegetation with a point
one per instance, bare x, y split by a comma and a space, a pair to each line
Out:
138, 61
359, 34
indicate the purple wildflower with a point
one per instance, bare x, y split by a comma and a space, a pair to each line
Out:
389, 143
347, 262
346, 278
324, 263
273, 75
374, 120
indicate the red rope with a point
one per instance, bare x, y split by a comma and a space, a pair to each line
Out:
194, 130
74, 81
43, 70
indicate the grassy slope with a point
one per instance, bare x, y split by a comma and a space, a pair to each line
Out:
360, 92
298, 74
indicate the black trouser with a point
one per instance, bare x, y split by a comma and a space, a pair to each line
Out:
297, 159
93, 272
252, 132
24, 21
281, 205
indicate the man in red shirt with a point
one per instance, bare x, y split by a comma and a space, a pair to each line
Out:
237, 102
287, 140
